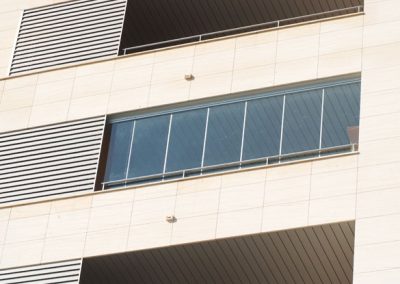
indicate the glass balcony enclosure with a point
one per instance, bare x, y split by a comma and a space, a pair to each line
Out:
262, 129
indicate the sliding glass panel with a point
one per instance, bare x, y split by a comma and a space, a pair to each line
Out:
118, 152
341, 115
149, 145
186, 140
302, 122
263, 128
224, 134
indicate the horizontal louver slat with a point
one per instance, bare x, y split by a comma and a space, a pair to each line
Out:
44, 164
56, 34
47, 161
65, 61
56, 159
60, 272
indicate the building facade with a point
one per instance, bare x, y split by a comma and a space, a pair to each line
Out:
199, 141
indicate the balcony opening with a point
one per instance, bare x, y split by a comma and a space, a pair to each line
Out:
153, 24
256, 130
318, 254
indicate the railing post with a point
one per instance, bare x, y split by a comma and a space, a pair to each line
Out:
200, 37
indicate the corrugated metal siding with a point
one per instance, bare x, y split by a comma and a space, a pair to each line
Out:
318, 255
51, 160
60, 272
69, 32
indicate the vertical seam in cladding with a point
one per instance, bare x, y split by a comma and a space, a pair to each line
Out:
34, 96
319, 50
151, 80
45, 237
233, 65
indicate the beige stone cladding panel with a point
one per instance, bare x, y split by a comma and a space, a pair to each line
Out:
249, 62
206, 208
377, 246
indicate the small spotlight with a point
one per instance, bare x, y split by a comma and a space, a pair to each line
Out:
189, 77
171, 219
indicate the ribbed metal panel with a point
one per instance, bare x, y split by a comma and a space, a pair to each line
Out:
50, 160
60, 272
311, 255
68, 32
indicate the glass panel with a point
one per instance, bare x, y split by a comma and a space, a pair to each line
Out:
302, 122
224, 134
186, 141
118, 151
149, 145
263, 128
341, 115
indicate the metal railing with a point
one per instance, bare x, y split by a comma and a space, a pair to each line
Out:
272, 160
272, 24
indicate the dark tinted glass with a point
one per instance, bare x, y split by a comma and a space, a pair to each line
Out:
149, 145
263, 128
302, 122
186, 140
224, 134
341, 115
118, 152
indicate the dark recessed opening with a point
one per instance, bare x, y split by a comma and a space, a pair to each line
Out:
154, 21
318, 254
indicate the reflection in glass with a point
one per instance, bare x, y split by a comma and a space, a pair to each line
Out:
118, 151
301, 113
302, 122
263, 128
149, 145
341, 115
224, 134
185, 148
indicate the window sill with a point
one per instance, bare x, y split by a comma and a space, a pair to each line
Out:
229, 169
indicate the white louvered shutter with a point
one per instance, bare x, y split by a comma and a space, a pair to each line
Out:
50, 160
54, 273
68, 32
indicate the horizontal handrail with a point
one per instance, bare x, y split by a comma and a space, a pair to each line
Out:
200, 170
276, 24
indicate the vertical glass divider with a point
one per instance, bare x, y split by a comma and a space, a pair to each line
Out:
243, 130
205, 138
283, 120
167, 146
322, 119
130, 151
